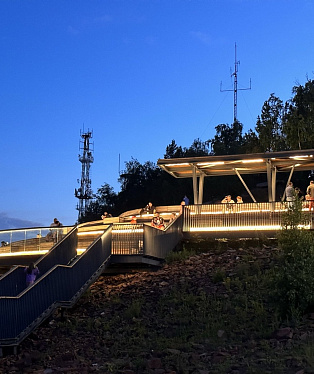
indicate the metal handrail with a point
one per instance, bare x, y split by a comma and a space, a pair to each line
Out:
235, 217
158, 243
61, 286
13, 282
35, 238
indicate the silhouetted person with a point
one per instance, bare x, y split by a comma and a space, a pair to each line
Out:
31, 273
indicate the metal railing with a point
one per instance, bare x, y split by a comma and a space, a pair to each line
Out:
34, 239
61, 286
127, 239
234, 217
158, 243
13, 282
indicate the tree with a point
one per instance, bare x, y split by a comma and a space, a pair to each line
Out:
250, 142
228, 139
299, 118
269, 126
139, 183
173, 150
104, 201
197, 148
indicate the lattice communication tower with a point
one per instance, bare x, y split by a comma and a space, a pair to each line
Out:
235, 85
84, 193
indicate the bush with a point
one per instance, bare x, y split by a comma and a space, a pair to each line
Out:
293, 278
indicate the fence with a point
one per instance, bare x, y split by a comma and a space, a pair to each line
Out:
158, 243
127, 239
13, 282
35, 239
61, 286
234, 217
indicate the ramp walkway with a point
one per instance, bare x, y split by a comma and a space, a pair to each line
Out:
71, 266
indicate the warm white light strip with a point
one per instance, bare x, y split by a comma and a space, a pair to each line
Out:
26, 253
251, 161
83, 233
210, 163
127, 231
235, 228
298, 157
237, 211
240, 228
183, 164
79, 251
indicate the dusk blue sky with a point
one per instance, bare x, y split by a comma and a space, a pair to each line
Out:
138, 73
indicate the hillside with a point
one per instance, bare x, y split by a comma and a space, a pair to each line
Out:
209, 312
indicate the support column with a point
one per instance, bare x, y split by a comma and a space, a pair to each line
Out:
273, 183
201, 188
195, 191
269, 180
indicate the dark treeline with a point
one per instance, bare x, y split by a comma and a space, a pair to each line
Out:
280, 126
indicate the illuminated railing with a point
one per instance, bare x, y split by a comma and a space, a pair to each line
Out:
219, 218
127, 239
31, 240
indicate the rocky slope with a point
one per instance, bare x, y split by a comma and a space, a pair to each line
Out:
200, 315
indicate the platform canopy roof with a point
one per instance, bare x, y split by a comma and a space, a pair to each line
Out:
244, 163
269, 162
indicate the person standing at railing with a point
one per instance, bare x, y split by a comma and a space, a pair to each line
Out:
106, 215
186, 200
290, 194
228, 201
310, 193
149, 209
31, 272
239, 200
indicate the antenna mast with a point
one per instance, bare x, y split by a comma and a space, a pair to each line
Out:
235, 85
84, 193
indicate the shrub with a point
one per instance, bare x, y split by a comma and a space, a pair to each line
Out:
293, 278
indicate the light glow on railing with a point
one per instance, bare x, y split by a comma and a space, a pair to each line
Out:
236, 228
84, 233
127, 231
242, 228
79, 251
25, 253
252, 161
238, 211
299, 157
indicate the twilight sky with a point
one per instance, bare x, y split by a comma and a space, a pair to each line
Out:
138, 73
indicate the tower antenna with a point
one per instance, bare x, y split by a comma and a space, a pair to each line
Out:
84, 193
235, 85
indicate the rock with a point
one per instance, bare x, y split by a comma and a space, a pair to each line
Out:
154, 363
284, 333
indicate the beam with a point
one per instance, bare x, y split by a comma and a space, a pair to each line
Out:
244, 184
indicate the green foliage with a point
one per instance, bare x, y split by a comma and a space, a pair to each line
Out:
299, 119
269, 126
176, 256
228, 139
293, 281
280, 126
